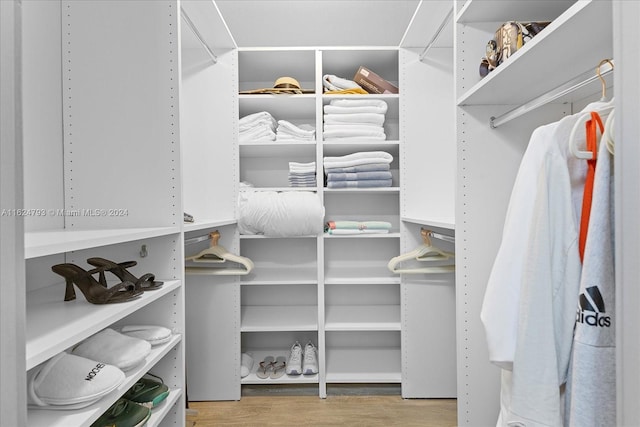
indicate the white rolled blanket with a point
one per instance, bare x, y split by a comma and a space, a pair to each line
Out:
280, 214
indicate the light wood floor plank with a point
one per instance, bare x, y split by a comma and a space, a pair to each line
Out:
365, 411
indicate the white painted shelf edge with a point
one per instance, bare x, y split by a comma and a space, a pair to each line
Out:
362, 318
448, 223
84, 416
363, 365
54, 325
207, 223
49, 242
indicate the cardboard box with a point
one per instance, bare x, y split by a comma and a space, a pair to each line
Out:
373, 83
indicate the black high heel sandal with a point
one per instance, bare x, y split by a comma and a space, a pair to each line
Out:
146, 282
93, 291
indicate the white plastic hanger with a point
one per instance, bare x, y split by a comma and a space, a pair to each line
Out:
573, 144
425, 253
215, 255
607, 136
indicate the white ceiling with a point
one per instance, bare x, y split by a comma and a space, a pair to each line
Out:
295, 23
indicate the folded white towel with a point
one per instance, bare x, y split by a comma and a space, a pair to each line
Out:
364, 118
258, 134
379, 103
67, 381
262, 116
336, 109
114, 348
345, 132
332, 82
291, 129
359, 158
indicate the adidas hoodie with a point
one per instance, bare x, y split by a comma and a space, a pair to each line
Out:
591, 388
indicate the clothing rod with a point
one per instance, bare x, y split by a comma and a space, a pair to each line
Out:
196, 33
196, 240
436, 35
442, 236
564, 89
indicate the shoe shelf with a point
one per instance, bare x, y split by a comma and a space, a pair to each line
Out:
279, 318
43, 243
499, 10
53, 325
161, 412
259, 355
363, 365
362, 318
545, 49
85, 416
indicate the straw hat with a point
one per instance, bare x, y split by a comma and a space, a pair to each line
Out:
282, 85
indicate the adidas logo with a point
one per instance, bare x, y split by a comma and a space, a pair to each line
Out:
591, 301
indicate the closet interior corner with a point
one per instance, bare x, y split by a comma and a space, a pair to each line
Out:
254, 194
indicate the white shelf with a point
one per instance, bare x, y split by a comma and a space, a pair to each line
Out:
160, 412
206, 224
85, 416
278, 149
43, 243
262, 236
313, 189
363, 365
448, 223
53, 325
354, 276
259, 355
279, 318
362, 318
502, 11
547, 49
280, 276
392, 235
384, 190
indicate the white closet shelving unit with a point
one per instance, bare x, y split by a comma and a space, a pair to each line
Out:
488, 159
103, 108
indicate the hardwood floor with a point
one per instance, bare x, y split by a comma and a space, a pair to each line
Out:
342, 410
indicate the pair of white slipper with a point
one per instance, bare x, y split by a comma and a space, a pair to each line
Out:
92, 369
271, 367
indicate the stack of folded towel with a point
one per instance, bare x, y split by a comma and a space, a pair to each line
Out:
355, 119
287, 131
257, 127
302, 174
357, 227
367, 169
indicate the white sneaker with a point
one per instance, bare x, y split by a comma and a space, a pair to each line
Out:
310, 361
294, 363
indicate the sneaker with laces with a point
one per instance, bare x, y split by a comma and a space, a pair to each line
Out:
310, 360
294, 363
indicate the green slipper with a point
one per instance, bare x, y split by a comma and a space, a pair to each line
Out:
123, 413
147, 392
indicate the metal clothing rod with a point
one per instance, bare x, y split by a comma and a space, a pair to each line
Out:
197, 240
568, 87
442, 237
436, 35
196, 33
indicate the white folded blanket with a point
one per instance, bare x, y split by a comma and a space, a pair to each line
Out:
257, 134
359, 158
378, 103
331, 82
114, 348
280, 214
363, 118
70, 382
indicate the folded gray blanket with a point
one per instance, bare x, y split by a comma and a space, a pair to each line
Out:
360, 168
358, 176
367, 183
